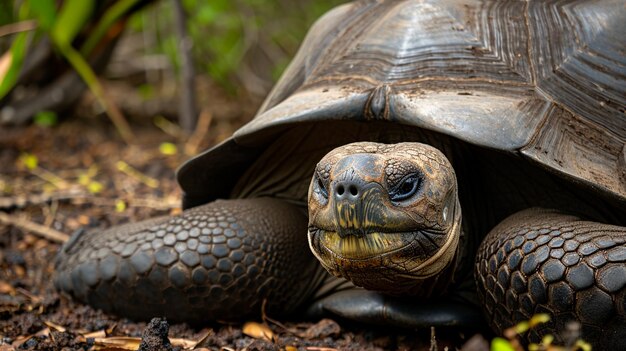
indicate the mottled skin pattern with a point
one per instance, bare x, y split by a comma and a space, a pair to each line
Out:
220, 260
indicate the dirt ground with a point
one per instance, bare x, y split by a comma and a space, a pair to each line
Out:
79, 173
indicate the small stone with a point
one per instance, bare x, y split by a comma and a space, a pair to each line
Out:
323, 329
154, 337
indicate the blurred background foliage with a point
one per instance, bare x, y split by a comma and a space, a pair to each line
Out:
240, 46
272, 28
235, 42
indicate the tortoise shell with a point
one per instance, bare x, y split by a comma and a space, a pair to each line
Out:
542, 79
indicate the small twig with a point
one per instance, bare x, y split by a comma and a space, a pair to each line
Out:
156, 203
34, 298
10, 202
433, 340
118, 119
84, 70
50, 177
134, 173
45, 232
18, 27
267, 320
168, 127
192, 145
50, 212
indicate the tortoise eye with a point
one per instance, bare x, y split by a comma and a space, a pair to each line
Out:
406, 188
321, 187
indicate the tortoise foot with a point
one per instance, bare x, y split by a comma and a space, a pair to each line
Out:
218, 261
541, 261
364, 306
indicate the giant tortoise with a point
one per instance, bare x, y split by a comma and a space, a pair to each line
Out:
451, 154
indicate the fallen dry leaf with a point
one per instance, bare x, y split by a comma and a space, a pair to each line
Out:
54, 326
184, 343
20, 340
32, 297
324, 328
98, 334
119, 342
258, 331
6, 288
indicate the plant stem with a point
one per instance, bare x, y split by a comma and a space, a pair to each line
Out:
88, 75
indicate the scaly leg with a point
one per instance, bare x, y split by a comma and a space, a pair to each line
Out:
218, 261
542, 261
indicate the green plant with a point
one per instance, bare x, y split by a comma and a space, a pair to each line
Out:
233, 39
63, 22
511, 342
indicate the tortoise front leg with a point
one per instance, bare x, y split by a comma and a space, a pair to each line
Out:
218, 261
542, 261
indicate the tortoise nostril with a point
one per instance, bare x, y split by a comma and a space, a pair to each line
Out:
347, 190
340, 190
353, 190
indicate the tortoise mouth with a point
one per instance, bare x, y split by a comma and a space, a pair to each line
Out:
373, 245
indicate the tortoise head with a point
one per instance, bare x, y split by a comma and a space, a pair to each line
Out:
386, 217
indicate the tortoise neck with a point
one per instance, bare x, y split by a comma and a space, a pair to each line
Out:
436, 285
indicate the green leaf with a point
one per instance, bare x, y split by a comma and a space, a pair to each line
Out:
95, 187
120, 206
539, 318
522, 327
16, 59
168, 149
46, 12
500, 344
206, 14
583, 345
46, 118
547, 339
30, 161
146, 91
6, 12
116, 12
73, 15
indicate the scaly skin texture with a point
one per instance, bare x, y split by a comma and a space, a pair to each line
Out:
542, 261
214, 262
